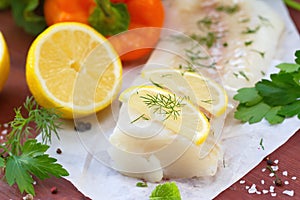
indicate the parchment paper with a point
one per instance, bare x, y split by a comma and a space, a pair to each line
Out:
240, 142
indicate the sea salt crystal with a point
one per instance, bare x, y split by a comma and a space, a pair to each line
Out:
258, 192
265, 191
284, 173
272, 189
247, 187
275, 168
242, 181
263, 169
271, 174
252, 189
286, 182
5, 125
288, 192
273, 194
294, 178
262, 182
4, 132
276, 161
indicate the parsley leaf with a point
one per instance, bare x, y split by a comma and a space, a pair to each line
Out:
274, 99
33, 160
167, 191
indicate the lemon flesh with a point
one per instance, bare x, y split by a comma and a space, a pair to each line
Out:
188, 120
4, 62
73, 67
201, 90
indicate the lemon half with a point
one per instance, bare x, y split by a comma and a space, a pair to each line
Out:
72, 67
4, 62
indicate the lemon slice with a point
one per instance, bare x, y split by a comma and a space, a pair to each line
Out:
73, 67
4, 62
201, 90
176, 114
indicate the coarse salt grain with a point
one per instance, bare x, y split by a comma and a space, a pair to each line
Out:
265, 191
271, 174
286, 182
247, 187
276, 161
275, 168
288, 192
258, 192
262, 182
1, 137
5, 125
273, 194
284, 173
242, 181
294, 178
263, 169
252, 189
272, 188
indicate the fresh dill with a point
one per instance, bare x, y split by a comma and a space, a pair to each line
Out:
168, 105
208, 40
46, 122
187, 68
248, 43
228, 9
251, 30
265, 21
261, 143
261, 53
156, 84
206, 22
143, 116
241, 73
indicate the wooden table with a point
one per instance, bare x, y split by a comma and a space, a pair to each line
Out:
16, 91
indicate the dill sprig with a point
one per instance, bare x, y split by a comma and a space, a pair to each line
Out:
38, 120
168, 105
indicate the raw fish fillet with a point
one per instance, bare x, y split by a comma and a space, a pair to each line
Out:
238, 40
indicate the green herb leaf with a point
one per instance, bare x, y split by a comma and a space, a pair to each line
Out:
274, 99
16, 172
288, 67
33, 160
2, 162
25, 15
248, 96
141, 184
109, 19
167, 191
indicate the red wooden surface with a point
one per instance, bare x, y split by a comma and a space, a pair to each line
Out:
15, 92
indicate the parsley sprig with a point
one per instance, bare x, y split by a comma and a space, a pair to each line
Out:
274, 99
22, 156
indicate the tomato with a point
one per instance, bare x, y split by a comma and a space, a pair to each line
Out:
130, 45
56, 11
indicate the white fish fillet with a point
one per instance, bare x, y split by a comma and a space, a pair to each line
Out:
242, 47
